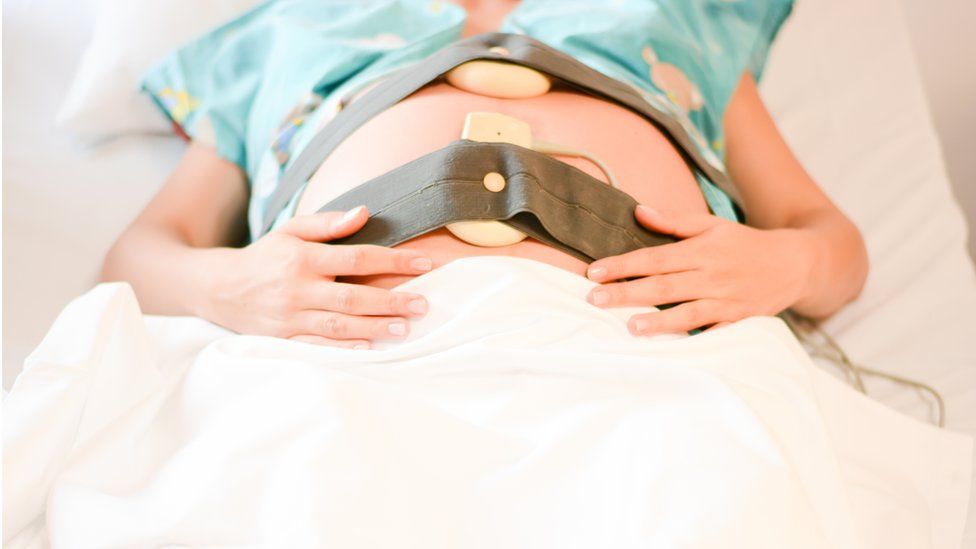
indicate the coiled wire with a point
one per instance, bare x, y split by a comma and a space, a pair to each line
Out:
827, 348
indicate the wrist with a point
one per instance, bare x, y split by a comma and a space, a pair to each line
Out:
810, 260
208, 272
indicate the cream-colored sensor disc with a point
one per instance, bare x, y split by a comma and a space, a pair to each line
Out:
504, 81
499, 79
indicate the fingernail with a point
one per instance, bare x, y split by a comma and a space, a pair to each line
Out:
596, 273
600, 298
348, 216
361, 346
397, 328
640, 326
417, 306
647, 210
421, 264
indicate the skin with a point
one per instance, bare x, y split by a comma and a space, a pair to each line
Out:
646, 165
183, 254
798, 250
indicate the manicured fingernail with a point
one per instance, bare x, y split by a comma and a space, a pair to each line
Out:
397, 328
361, 346
417, 306
348, 216
641, 326
421, 264
647, 210
596, 273
600, 298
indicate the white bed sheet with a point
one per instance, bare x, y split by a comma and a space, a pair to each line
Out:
546, 426
842, 83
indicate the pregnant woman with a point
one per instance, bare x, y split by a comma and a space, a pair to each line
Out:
253, 93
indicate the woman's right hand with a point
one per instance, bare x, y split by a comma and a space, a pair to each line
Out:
283, 285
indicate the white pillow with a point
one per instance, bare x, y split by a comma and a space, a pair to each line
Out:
130, 36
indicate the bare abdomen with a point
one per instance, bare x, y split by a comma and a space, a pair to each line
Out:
644, 162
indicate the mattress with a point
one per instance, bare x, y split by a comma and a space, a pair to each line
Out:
847, 96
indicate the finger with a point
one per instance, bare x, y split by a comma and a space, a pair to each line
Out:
334, 325
357, 344
652, 290
366, 259
326, 226
680, 225
678, 319
357, 299
718, 325
666, 258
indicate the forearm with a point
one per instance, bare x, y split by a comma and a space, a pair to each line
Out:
176, 246
778, 193
168, 275
838, 263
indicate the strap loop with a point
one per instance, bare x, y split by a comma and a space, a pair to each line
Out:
544, 198
519, 49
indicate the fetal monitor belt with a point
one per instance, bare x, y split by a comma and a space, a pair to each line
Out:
546, 199
500, 47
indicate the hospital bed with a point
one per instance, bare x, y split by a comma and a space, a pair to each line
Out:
846, 94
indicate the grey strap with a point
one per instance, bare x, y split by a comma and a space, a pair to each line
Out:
521, 50
548, 200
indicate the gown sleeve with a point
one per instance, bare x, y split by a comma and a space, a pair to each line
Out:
207, 86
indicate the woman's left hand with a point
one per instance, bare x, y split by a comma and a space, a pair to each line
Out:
718, 271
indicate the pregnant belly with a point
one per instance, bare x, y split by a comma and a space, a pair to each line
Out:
644, 162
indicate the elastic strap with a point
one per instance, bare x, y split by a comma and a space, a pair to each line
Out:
513, 48
544, 198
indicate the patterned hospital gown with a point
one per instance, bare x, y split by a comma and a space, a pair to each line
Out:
260, 86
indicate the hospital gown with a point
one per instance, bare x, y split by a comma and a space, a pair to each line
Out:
259, 87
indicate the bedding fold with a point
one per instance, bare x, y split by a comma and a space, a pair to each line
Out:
515, 414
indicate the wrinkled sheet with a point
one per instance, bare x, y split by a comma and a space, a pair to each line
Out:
515, 415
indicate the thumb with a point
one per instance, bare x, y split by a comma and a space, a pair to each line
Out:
326, 226
683, 225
